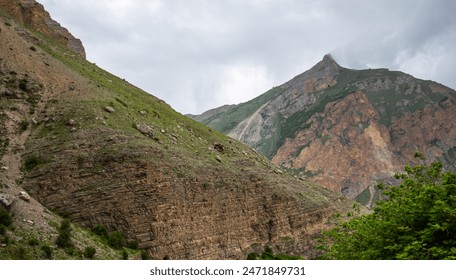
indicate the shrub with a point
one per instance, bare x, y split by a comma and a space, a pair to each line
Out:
65, 225
116, 240
124, 255
64, 238
252, 256
89, 252
32, 162
33, 241
5, 217
47, 251
133, 244
100, 230
23, 84
23, 125
144, 255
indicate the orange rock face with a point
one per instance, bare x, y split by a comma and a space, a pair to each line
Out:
33, 14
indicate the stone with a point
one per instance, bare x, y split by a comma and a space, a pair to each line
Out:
4, 168
145, 129
6, 201
72, 122
218, 158
143, 113
24, 196
219, 147
109, 109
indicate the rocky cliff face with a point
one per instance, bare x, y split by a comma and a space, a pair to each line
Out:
93, 148
347, 129
32, 14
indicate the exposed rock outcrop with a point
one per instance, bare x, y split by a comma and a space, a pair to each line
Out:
31, 13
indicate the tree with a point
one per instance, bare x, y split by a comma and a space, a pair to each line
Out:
416, 221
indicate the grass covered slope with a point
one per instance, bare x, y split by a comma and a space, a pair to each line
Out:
102, 152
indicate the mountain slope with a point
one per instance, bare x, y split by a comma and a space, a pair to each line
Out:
100, 151
346, 129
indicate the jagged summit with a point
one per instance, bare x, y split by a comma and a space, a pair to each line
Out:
327, 64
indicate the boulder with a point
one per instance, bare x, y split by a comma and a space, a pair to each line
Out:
24, 196
109, 109
145, 129
6, 201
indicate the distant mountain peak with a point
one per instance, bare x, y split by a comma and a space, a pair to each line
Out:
327, 62
328, 57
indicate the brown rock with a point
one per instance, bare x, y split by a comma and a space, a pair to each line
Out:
24, 196
31, 13
145, 129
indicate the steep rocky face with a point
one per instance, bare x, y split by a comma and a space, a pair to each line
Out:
33, 14
100, 151
347, 129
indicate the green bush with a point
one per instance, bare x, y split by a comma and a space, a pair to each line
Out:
23, 125
133, 244
64, 237
23, 84
33, 241
64, 240
116, 240
144, 255
416, 221
252, 256
100, 230
32, 162
47, 251
124, 254
5, 217
89, 252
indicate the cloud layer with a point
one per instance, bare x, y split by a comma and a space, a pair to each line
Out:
200, 54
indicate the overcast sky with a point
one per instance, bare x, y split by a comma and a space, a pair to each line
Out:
200, 54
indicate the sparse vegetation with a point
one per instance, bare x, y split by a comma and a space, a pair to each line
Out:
23, 84
5, 218
23, 125
32, 162
47, 250
64, 237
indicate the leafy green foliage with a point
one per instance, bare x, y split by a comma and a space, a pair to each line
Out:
116, 240
416, 221
47, 250
89, 252
100, 230
64, 237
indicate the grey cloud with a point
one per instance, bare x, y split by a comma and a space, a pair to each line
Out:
198, 54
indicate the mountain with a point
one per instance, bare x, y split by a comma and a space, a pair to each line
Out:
80, 143
346, 129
